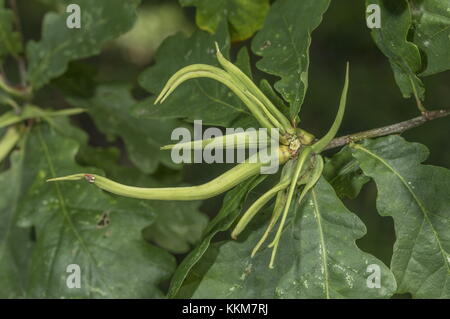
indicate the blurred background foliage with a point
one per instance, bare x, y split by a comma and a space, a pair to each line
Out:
374, 100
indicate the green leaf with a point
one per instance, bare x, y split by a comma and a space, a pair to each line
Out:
78, 80
101, 21
232, 206
10, 40
244, 16
79, 224
15, 242
177, 225
284, 44
342, 171
432, 33
111, 110
391, 39
417, 197
317, 258
196, 99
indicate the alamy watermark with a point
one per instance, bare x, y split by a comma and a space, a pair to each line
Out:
235, 146
74, 279
374, 279
373, 19
73, 21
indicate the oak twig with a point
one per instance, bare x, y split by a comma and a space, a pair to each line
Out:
390, 129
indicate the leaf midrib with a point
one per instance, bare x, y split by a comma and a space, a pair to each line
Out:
322, 240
